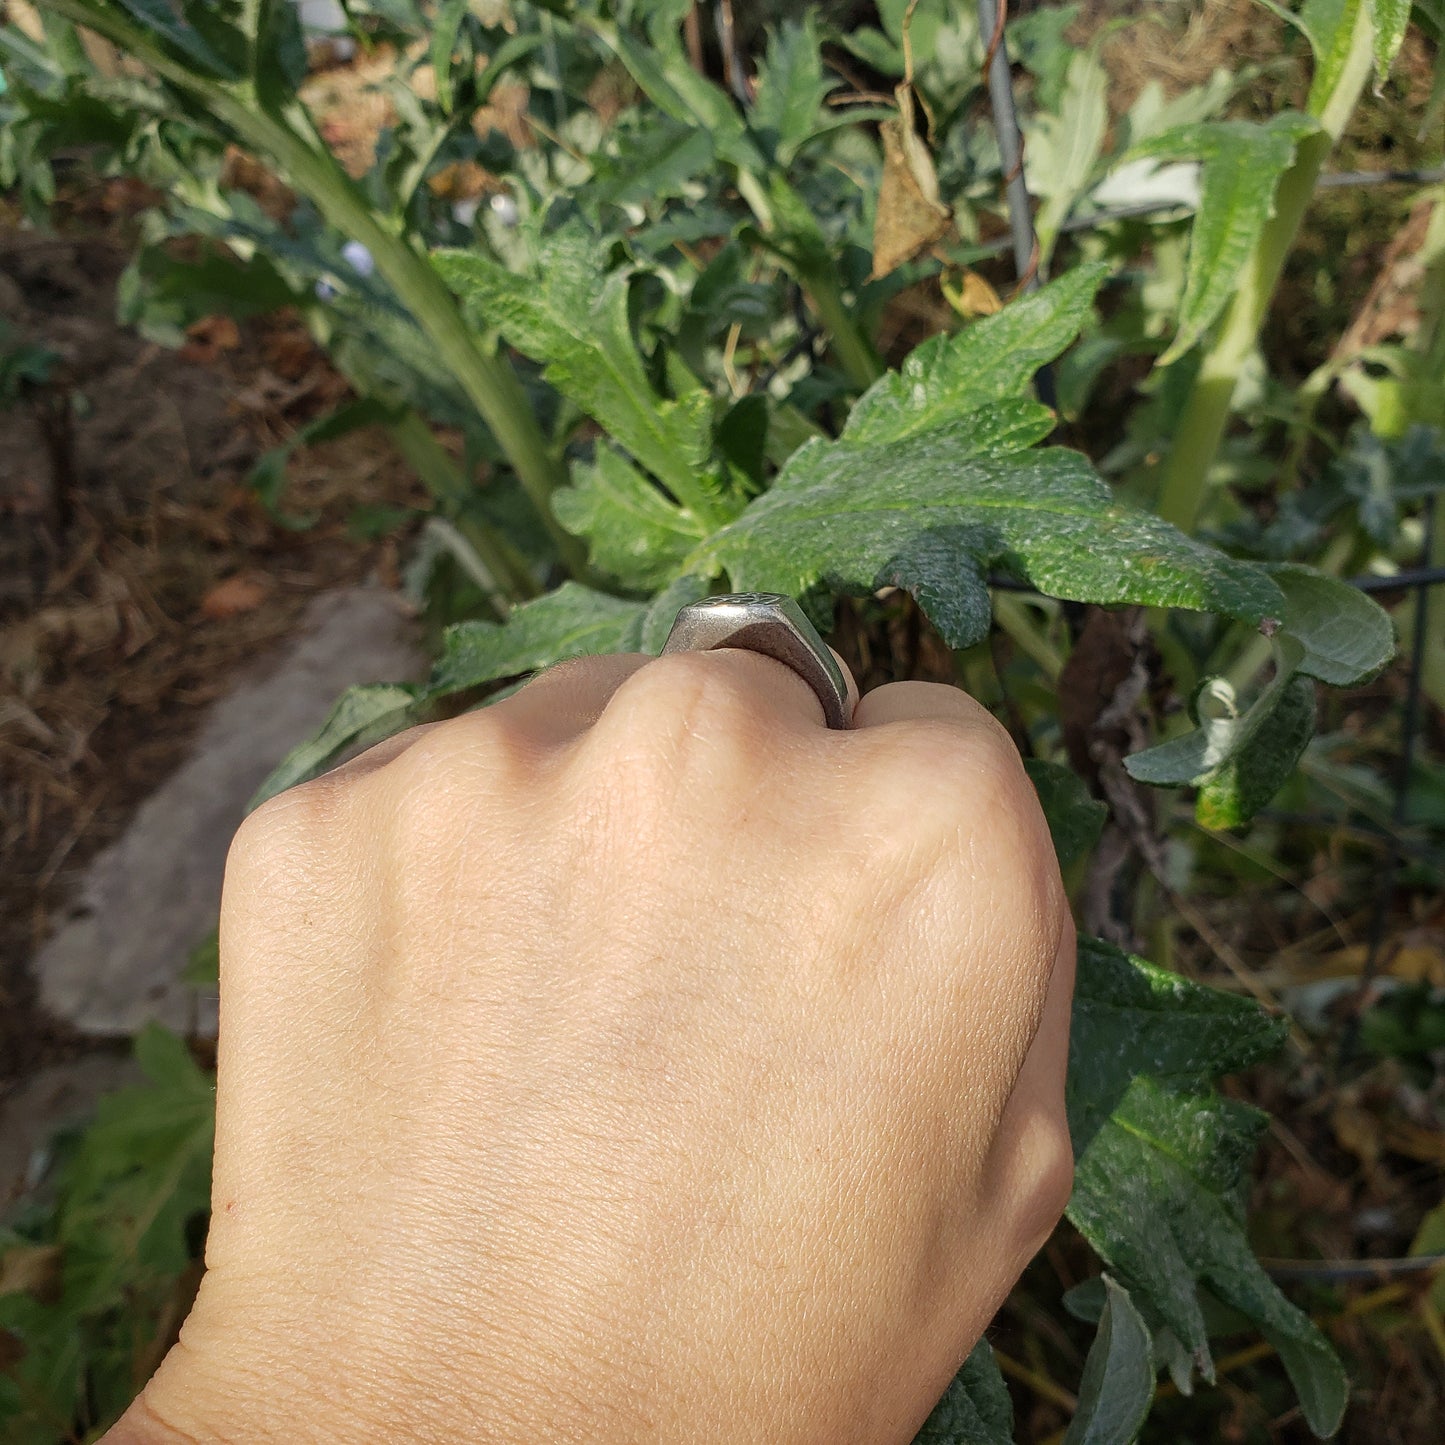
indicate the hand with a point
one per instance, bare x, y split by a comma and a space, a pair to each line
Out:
633, 1060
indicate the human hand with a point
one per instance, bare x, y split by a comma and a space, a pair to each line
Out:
633, 1060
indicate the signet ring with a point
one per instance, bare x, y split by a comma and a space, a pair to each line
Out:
770, 624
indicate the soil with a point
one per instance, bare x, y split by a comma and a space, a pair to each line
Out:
138, 571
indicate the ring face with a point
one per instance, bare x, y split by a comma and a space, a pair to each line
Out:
776, 627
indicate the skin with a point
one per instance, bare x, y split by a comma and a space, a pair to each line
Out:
634, 1060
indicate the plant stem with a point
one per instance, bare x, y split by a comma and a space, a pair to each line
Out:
426, 456
1206, 414
489, 382
855, 355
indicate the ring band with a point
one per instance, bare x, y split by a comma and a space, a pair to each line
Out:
773, 625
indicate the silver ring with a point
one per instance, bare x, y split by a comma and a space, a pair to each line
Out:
773, 625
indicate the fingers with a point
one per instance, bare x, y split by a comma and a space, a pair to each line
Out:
916, 701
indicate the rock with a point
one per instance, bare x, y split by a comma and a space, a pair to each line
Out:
151, 898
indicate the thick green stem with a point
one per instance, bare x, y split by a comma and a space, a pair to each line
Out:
488, 382
1206, 414
855, 355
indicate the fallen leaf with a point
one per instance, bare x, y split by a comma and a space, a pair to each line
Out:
969, 294
243, 592
911, 216
209, 337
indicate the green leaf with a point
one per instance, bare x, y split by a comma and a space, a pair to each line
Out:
654, 163
572, 317
664, 74
1390, 19
929, 511
1234, 793
159, 17
361, 716
1162, 1160
1346, 635
1075, 817
1242, 162
791, 89
1330, 26
569, 622
1064, 146
1118, 1383
975, 1409
446, 26
1330, 631
142, 1171
649, 628
633, 531
991, 361
930, 485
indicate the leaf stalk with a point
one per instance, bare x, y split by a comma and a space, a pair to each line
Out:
1206, 413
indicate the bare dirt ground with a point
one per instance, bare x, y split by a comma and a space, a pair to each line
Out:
138, 571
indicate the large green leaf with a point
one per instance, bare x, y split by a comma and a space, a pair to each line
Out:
571, 621
1162, 1160
572, 316
931, 484
931, 514
975, 1409
1118, 1384
633, 531
1241, 164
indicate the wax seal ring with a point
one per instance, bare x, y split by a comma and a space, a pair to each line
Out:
773, 625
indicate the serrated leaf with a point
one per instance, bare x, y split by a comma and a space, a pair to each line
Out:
1075, 817
975, 1409
654, 164
572, 317
360, 716
1162, 1160
1390, 19
929, 486
569, 622
1241, 165
633, 531
1118, 1382
791, 89
851, 515
1346, 635
992, 360
649, 628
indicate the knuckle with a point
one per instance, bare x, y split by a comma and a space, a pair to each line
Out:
1047, 1176
683, 698
291, 823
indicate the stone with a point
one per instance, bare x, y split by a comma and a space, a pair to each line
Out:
150, 899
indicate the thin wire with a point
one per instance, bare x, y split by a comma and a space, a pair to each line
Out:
1409, 732
1093, 220
992, 18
